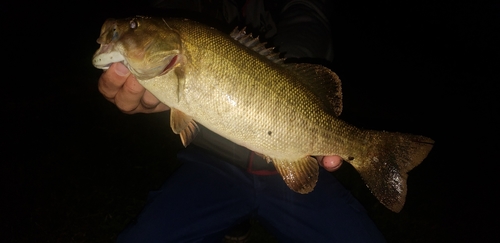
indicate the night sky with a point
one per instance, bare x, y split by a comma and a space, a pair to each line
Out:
71, 160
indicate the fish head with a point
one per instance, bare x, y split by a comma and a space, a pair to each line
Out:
147, 46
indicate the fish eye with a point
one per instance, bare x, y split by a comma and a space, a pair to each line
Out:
133, 24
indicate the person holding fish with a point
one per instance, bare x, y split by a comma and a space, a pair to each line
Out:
221, 184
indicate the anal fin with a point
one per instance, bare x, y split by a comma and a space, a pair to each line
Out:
301, 175
183, 125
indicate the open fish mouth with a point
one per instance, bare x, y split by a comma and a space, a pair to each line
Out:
103, 59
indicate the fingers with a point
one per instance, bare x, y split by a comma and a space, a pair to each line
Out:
129, 97
149, 101
150, 104
112, 80
330, 163
119, 86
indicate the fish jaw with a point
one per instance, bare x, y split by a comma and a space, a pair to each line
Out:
106, 55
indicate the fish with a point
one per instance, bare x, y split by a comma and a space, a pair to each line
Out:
244, 91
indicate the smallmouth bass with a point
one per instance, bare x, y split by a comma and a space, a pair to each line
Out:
238, 88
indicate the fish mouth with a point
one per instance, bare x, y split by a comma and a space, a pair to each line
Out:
106, 55
103, 58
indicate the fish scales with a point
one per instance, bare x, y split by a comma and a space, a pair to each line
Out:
266, 86
284, 112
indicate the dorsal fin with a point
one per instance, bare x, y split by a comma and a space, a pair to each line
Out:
255, 44
323, 82
320, 80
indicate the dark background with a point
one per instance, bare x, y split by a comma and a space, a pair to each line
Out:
75, 169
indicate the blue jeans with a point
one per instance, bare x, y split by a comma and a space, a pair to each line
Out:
206, 196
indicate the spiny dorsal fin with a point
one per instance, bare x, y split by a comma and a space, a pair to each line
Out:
255, 44
319, 79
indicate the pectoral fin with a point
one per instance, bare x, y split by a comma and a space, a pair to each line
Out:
301, 175
183, 125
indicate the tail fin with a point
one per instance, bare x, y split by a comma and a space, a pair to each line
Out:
386, 161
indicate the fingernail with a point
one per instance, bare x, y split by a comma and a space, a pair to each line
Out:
328, 163
334, 166
121, 70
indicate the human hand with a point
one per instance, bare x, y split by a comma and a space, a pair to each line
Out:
330, 163
120, 87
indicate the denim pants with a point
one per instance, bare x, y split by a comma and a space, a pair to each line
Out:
206, 196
